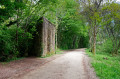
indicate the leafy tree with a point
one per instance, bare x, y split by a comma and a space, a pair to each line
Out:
92, 13
18, 20
111, 13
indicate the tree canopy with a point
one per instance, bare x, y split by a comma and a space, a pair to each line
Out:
79, 23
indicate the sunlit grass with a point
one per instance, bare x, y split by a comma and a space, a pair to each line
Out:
106, 66
58, 51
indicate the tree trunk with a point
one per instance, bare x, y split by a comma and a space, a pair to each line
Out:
94, 41
74, 40
56, 34
91, 39
90, 42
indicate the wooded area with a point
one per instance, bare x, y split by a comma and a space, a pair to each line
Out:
75, 21
71, 24
19, 23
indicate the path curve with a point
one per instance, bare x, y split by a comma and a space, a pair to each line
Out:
72, 65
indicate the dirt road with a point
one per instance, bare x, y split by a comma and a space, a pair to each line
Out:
72, 65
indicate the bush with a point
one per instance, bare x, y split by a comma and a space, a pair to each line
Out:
9, 48
106, 46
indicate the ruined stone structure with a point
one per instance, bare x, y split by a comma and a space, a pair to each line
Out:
44, 40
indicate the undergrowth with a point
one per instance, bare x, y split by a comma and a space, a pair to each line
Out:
58, 51
106, 66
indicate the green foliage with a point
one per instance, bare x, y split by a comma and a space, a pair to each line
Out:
18, 19
5, 43
58, 51
72, 31
8, 43
72, 34
6, 9
106, 46
105, 68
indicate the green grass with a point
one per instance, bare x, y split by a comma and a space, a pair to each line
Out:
48, 55
58, 51
105, 68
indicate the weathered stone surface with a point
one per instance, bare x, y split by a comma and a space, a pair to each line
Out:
44, 41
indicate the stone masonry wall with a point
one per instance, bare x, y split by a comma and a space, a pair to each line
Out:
44, 41
48, 37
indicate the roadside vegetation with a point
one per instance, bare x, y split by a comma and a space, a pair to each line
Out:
92, 24
18, 21
106, 66
58, 51
104, 37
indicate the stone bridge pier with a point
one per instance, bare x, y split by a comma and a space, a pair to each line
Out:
44, 39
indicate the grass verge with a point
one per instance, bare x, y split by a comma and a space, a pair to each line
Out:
58, 51
106, 66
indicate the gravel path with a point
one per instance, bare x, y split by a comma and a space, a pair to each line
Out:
72, 65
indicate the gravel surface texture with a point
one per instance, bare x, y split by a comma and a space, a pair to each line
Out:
72, 64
